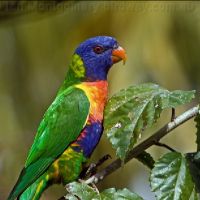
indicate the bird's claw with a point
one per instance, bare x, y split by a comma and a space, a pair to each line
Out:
92, 168
103, 159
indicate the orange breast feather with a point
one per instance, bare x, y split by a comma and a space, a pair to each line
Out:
97, 94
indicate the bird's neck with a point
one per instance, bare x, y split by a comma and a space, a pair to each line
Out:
77, 74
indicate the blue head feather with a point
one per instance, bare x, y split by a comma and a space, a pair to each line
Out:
97, 64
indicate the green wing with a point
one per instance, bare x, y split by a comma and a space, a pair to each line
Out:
62, 124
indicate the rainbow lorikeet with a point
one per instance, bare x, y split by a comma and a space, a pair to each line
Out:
72, 126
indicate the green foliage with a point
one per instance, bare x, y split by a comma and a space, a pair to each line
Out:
146, 159
194, 166
197, 120
83, 191
136, 108
171, 179
128, 113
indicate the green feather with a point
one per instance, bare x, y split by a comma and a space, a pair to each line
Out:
62, 124
75, 74
34, 191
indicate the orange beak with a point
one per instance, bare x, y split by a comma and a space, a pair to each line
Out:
118, 55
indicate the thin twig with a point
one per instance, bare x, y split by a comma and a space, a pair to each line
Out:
144, 145
164, 145
173, 116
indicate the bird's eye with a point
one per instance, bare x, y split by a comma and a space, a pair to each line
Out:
98, 49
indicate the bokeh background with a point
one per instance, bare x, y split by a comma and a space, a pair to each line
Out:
37, 39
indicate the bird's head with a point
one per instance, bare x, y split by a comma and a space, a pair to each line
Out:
94, 57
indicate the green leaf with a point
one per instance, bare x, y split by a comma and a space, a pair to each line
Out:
194, 195
197, 120
171, 179
124, 194
132, 110
85, 192
82, 191
194, 166
146, 159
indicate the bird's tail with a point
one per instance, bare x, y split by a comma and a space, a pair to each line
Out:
35, 190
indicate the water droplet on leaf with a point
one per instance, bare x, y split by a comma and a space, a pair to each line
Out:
118, 125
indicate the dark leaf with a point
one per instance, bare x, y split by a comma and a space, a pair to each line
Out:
171, 179
197, 120
146, 159
194, 166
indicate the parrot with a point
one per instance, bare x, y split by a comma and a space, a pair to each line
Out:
72, 126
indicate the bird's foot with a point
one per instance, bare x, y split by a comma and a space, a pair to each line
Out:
92, 168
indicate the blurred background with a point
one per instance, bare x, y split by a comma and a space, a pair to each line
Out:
37, 39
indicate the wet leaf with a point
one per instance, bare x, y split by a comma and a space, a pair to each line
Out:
85, 192
123, 194
136, 108
194, 166
171, 179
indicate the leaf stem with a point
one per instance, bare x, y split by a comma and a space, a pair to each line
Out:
164, 145
173, 114
144, 145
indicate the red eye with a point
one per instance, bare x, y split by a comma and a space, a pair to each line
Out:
98, 49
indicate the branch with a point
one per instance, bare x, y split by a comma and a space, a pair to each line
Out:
144, 145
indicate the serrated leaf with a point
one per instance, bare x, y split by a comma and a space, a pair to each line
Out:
85, 192
194, 166
194, 195
146, 159
171, 179
82, 191
124, 194
132, 110
197, 120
